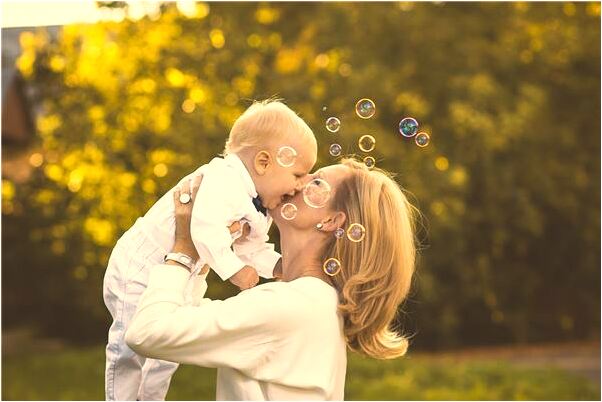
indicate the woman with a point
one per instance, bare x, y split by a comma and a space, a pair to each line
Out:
287, 340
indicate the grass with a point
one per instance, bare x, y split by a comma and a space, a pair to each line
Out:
78, 374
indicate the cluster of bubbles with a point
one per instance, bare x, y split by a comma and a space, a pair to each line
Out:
364, 108
408, 127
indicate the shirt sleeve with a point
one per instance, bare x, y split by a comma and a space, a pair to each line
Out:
259, 255
239, 332
214, 211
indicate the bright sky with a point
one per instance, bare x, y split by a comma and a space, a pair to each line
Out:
27, 13
19, 13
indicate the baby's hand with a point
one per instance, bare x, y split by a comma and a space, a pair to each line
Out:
246, 278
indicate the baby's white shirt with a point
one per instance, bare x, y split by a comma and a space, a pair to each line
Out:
225, 196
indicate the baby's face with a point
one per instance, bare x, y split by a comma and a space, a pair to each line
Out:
280, 181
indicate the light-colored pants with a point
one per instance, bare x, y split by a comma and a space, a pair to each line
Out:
129, 376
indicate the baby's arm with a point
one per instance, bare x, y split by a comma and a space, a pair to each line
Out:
211, 215
259, 254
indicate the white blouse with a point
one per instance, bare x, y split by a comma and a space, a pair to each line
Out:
276, 341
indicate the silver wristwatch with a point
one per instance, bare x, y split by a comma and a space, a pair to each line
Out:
181, 258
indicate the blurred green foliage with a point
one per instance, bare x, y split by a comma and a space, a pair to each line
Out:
509, 186
77, 374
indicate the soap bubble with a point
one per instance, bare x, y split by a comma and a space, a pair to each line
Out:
365, 108
339, 233
408, 127
335, 150
369, 162
333, 124
366, 143
356, 232
316, 193
286, 156
422, 139
288, 211
332, 266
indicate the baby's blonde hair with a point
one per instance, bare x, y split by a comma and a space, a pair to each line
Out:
265, 121
376, 272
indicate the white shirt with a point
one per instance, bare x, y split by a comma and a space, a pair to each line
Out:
225, 196
276, 341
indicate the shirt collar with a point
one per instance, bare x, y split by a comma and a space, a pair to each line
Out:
234, 161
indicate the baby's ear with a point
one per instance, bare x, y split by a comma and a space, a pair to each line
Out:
262, 162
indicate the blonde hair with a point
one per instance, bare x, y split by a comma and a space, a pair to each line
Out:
264, 121
376, 273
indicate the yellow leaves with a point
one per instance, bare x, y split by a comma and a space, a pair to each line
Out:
27, 40
8, 190
458, 176
188, 106
58, 247
76, 177
267, 15
438, 208
197, 95
36, 159
322, 60
160, 170
254, 40
160, 117
345, 70
288, 61
202, 10
45, 197
244, 86
149, 186
175, 77
25, 63
160, 158
47, 124
101, 231
317, 90
521, 6
53, 172
441, 163
80, 273
593, 9
127, 179
275, 40
412, 104
569, 9
30, 43
57, 63
218, 40
481, 85
96, 112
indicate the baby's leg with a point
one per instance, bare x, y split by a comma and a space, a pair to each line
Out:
125, 281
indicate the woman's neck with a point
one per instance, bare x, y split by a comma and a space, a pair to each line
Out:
301, 257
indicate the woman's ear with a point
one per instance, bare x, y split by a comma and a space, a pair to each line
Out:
334, 222
262, 162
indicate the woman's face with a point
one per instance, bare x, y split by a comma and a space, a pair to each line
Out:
308, 217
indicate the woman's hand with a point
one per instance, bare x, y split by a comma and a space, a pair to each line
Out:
183, 213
